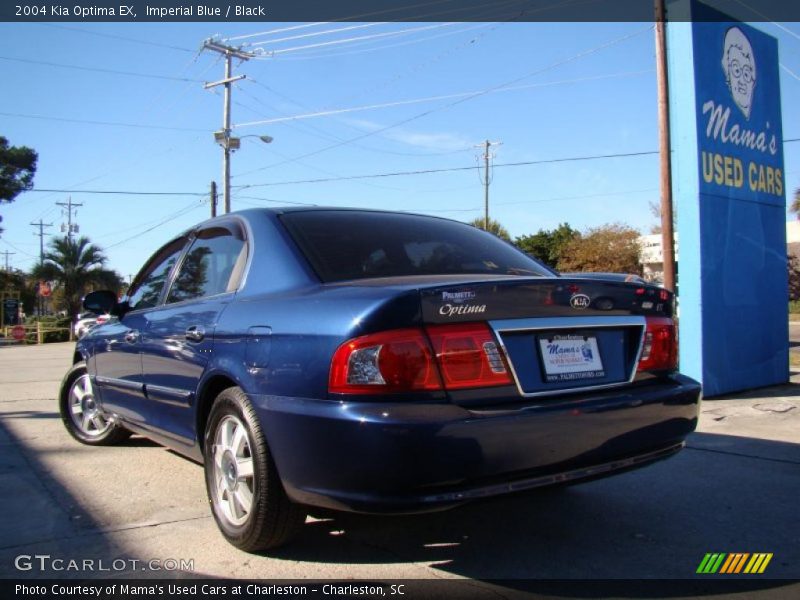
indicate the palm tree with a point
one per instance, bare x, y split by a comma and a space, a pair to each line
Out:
77, 266
795, 205
494, 227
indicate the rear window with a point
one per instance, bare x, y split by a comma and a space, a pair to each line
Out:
344, 245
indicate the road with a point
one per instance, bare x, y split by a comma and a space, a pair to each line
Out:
736, 488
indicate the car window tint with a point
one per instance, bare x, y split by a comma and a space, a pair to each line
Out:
210, 265
149, 284
343, 245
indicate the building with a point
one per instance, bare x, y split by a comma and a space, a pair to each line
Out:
653, 261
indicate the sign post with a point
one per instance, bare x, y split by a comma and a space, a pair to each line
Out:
729, 184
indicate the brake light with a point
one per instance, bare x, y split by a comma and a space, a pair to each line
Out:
660, 348
468, 356
458, 356
392, 361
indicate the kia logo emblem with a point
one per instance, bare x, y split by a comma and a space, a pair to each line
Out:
579, 301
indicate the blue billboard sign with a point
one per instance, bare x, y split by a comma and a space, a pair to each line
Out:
739, 113
730, 195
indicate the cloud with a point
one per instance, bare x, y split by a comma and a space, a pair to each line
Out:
438, 141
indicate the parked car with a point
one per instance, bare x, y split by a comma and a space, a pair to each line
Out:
649, 296
628, 277
373, 361
85, 321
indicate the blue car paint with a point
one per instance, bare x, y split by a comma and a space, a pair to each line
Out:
274, 337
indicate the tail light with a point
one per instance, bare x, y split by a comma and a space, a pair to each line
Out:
660, 348
468, 356
449, 357
392, 361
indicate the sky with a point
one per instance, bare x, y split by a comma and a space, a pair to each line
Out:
403, 97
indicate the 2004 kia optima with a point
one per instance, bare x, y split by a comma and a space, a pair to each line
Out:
377, 362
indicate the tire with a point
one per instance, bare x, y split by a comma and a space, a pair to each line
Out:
246, 495
83, 418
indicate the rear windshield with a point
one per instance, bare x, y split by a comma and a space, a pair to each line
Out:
344, 245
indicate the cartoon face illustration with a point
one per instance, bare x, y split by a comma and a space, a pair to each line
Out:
739, 65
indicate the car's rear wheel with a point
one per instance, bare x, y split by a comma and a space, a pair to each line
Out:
246, 495
82, 415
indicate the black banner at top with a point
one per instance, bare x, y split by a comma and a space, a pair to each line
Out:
55, 11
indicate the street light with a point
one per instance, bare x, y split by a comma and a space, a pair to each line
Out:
230, 144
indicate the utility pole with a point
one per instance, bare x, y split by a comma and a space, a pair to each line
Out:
667, 235
69, 204
41, 225
7, 254
487, 156
213, 199
223, 138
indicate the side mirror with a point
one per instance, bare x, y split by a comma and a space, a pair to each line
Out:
101, 302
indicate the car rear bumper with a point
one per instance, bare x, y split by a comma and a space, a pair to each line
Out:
404, 457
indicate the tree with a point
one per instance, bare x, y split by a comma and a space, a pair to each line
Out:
494, 227
794, 277
77, 267
655, 211
795, 205
17, 281
17, 168
547, 245
612, 247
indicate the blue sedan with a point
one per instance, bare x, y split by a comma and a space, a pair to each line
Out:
375, 362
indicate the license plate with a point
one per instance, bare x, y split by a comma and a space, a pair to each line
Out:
570, 358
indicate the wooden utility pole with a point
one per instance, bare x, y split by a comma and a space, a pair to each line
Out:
667, 234
213, 199
223, 137
487, 156
70, 227
7, 254
41, 225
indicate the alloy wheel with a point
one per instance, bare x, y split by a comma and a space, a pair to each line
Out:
233, 471
83, 410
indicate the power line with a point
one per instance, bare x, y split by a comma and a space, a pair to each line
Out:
118, 37
5, 241
451, 169
176, 215
148, 109
317, 33
368, 176
361, 38
122, 192
97, 69
127, 230
106, 123
536, 201
272, 31
426, 38
348, 18
327, 136
338, 111
538, 71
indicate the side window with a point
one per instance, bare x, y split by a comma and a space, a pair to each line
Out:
150, 282
213, 265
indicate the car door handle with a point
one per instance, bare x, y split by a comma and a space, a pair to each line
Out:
195, 333
132, 336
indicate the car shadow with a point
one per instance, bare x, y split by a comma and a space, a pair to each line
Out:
773, 391
42, 517
721, 494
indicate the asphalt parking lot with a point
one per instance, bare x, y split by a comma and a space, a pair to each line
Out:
736, 488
